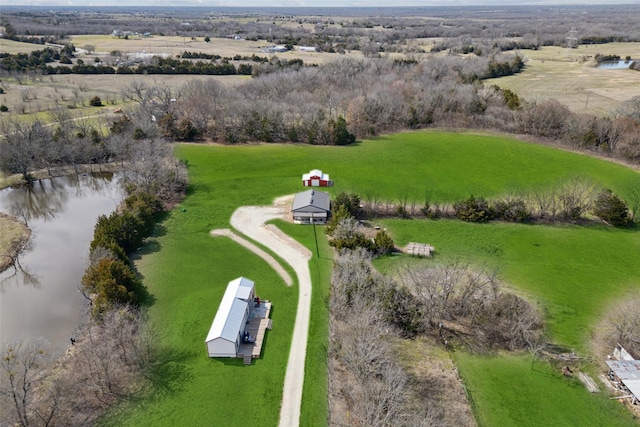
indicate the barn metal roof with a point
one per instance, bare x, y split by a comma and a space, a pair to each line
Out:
629, 373
310, 199
230, 315
315, 172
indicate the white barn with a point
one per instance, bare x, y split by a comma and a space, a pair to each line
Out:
228, 327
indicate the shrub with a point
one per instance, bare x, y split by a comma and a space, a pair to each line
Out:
513, 210
95, 101
347, 235
474, 210
351, 202
403, 309
384, 242
125, 230
4, 108
612, 209
139, 134
111, 281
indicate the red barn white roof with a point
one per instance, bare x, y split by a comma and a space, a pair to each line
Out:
315, 173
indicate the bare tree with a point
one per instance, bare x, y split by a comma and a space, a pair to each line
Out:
575, 198
23, 368
139, 92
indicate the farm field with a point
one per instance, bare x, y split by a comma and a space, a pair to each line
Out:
13, 47
572, 78
175, 45
572, 272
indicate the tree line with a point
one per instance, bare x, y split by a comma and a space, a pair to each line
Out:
297, 105
452, 304
571, 201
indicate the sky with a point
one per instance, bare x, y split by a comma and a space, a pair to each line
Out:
305, 3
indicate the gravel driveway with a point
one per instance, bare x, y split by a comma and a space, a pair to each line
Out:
250, 220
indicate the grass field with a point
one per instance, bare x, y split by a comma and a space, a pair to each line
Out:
187, 271
13, 47
571, 271
510, 390
572, 78
175, 45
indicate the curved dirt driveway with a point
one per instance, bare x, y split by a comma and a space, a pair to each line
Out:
250, 220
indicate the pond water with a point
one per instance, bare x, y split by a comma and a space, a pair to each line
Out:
615, 65
41, 299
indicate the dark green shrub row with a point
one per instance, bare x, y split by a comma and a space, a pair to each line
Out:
110, 279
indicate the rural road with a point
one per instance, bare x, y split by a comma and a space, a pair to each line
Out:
250, 220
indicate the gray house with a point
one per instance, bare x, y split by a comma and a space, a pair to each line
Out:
311, 206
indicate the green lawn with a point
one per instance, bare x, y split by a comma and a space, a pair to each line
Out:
510, 390
572, 271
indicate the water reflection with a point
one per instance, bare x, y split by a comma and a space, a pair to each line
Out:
615, 65
40, 297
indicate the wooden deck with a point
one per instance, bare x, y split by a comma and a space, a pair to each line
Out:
256, 326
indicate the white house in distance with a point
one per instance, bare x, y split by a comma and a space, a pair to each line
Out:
311, 206
315, 178
228, 327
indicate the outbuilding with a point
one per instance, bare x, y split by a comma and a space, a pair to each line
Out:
311, 207
315, 178
228, 327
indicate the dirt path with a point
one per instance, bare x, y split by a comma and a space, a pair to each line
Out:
250, 220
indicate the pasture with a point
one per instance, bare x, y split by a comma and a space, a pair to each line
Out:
176, 45
186, 271
572, 78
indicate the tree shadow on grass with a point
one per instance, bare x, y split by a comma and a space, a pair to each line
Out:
168, 374
166, 377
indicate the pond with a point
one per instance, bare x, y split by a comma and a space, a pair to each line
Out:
615, 65
41, 298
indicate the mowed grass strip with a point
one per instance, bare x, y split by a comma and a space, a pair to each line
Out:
510, 390
187, 271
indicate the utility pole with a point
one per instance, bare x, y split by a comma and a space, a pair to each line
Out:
315, 236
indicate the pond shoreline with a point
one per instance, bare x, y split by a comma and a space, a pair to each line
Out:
11, 248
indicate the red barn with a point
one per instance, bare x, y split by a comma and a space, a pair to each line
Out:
316, 178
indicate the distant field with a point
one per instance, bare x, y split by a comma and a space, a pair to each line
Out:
572, 78
174, 45
13, 47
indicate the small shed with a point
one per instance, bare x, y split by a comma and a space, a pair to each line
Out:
227, 329
626, 372
311, 207
315, 178
419, 249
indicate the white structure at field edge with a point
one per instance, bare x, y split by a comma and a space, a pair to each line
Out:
226, 333
315, 178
